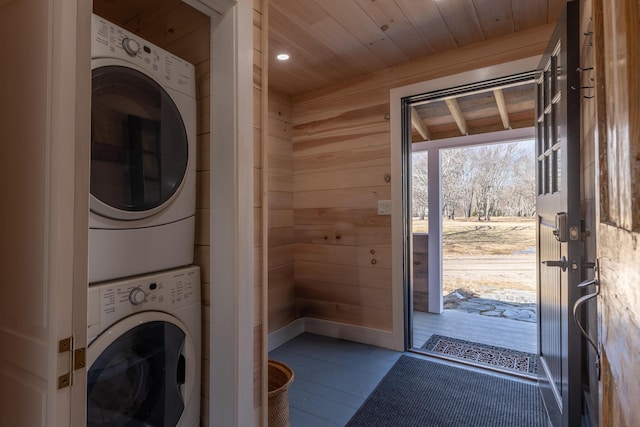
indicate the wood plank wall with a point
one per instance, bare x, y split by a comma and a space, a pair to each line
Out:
617, 42
341, 153
281, 297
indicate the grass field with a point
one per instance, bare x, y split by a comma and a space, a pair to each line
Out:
489, 258
500, 236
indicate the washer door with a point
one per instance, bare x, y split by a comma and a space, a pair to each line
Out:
138, 372
139, 146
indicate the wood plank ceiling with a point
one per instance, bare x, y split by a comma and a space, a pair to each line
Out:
333, 41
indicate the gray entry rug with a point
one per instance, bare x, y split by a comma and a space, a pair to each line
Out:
420, 393
482, 354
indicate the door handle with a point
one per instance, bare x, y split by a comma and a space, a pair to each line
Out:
596, 282
562, 263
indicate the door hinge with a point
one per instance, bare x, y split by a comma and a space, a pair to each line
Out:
77, 360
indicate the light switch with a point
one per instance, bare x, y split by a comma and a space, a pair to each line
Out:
384, 207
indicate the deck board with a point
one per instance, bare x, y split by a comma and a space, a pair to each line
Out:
500, 332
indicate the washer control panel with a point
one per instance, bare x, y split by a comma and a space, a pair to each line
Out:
168, 291
110, 41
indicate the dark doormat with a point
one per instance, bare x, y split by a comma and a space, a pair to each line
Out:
418, 392
483, 354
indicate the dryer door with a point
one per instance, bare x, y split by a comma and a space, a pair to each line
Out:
139, 146
138, 372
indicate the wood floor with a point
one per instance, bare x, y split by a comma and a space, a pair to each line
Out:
333, 377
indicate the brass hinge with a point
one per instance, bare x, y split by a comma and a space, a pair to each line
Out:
76, 360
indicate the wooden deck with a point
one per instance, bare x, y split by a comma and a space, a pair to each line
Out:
501, 332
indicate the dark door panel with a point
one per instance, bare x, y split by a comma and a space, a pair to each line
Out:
558, 206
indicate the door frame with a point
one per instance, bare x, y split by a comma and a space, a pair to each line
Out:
400, 247
434, 149
231, 328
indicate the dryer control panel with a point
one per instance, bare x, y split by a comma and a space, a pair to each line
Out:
167, 292
110, 41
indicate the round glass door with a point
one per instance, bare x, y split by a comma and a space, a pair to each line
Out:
139, 146
138, 379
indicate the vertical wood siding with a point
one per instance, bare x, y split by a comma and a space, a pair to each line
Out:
617, 43
551, 345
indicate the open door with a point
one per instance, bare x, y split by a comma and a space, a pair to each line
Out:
44, 164
559, 233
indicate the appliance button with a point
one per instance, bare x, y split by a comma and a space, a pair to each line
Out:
130, 46
137, 296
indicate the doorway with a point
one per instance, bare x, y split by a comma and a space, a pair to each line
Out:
488, 251
470, 224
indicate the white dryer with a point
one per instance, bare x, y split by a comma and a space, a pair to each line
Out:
143, 156
144, 351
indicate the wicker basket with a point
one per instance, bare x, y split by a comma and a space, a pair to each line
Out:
280, 378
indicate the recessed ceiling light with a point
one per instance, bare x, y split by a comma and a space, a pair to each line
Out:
282, 56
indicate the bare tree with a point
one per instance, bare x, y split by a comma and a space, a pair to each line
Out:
458, 190
523, 192
488, 180
504, 180
419, 184
495, 176
448, 162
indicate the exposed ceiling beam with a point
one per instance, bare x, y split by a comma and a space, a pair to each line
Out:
419, 125
456, 112
502, 108
508, 135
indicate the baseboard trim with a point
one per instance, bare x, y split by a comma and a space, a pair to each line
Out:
328, 328
286, 333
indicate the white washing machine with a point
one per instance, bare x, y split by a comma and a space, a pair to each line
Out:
143, 156
144, 351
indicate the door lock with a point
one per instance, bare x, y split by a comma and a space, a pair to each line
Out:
560, 230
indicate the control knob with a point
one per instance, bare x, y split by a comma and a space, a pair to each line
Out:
130, 46
137, 296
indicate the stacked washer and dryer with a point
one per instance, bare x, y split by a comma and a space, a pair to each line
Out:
144, 294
